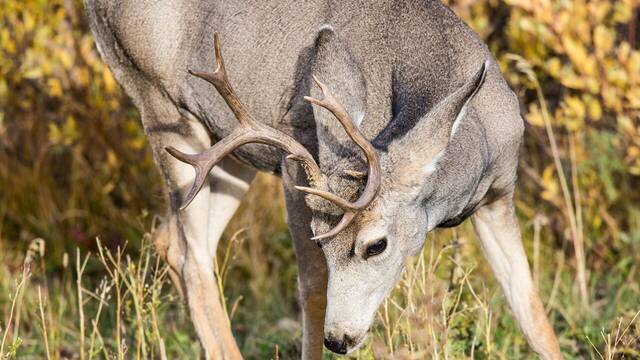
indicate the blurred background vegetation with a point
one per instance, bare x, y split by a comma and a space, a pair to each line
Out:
75, 167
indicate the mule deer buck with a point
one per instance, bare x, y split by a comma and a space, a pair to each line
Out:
409, 126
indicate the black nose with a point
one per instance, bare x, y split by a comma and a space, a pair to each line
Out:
337, 346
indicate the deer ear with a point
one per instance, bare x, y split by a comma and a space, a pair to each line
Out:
335, 66
428, 140
454, 108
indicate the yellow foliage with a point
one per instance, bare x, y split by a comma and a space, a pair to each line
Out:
603, 40
551, 189
62, 119
582, 59
534, 117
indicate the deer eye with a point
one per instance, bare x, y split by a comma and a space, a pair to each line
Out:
376, 248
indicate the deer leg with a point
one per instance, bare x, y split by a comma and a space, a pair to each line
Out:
312, 270
195, 235
497, 226
228, 182
188, 238
164, 236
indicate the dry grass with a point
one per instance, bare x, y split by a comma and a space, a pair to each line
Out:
111, 305
446, 306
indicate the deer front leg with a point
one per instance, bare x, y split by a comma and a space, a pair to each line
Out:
312, 270
497, 226
188, 238
197, 232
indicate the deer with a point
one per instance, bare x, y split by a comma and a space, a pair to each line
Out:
385, 120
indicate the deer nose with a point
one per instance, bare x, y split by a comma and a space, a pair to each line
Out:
335, 345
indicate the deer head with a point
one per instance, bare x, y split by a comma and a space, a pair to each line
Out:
368, 217
366, 259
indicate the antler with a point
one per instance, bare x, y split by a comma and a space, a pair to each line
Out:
252, 131
350, 209
249, 131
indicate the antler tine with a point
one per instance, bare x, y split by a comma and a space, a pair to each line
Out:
346, 219
220, 81
219, 75
205, 161
340, 202
201, 174
330, 103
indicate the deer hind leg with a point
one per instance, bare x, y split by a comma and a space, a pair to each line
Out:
497, 226
312, 270
188, 238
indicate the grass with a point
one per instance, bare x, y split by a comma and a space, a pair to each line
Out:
120, 304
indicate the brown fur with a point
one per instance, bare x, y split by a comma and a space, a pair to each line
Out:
541, 321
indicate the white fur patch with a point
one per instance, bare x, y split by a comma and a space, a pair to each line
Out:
326, 27
463, 111
357, 119
431, 167
371, 233
459, 118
